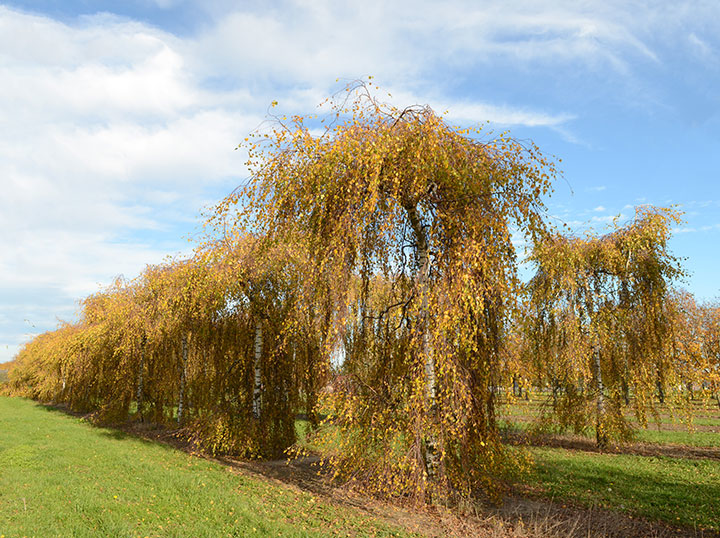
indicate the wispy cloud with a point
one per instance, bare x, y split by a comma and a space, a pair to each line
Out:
115, 132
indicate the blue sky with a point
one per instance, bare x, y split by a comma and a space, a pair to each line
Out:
118, 119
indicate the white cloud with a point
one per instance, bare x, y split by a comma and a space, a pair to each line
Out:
108, 147
503, 115
114, 133
303, 42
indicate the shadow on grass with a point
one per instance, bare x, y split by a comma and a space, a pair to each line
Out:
144, 432
636, 485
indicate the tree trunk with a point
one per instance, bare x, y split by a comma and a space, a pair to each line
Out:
140, 394
600, 434
183, 379
661, 392
626, 392
257, 386
422, 277
431, 462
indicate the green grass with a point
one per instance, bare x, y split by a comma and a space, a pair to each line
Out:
681, 437
679, 491
62, 477
520, 416
659, 437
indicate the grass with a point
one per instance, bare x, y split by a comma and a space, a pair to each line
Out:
681, 437
63, 477
679, 491
658, 437
520, 416
676, 490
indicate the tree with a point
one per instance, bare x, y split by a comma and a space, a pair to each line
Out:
599, 322
710, 376
409, 223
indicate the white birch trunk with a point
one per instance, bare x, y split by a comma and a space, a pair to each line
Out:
140, 395
183, 376
600, 435
431, 457
257, 387
422, 278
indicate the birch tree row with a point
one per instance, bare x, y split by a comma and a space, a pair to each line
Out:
381, 248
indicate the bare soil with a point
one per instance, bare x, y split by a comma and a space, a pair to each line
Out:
577, 442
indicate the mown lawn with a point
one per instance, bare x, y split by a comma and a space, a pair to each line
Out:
673, 428
62, 477
677, 490
693, 438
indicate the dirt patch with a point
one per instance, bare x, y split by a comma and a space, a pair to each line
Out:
576, 442
519, 516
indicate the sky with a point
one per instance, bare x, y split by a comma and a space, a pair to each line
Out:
119, 120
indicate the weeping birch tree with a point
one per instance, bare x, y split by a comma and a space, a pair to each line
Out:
408, 222
599, 325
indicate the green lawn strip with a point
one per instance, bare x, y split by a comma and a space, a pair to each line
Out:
663, 437
707, 421
62, 477
650, 435
705, 412
679, 491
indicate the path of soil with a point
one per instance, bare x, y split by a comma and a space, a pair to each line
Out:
520, 516
576, 442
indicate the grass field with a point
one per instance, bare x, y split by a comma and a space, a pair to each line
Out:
678, 490
62, 477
